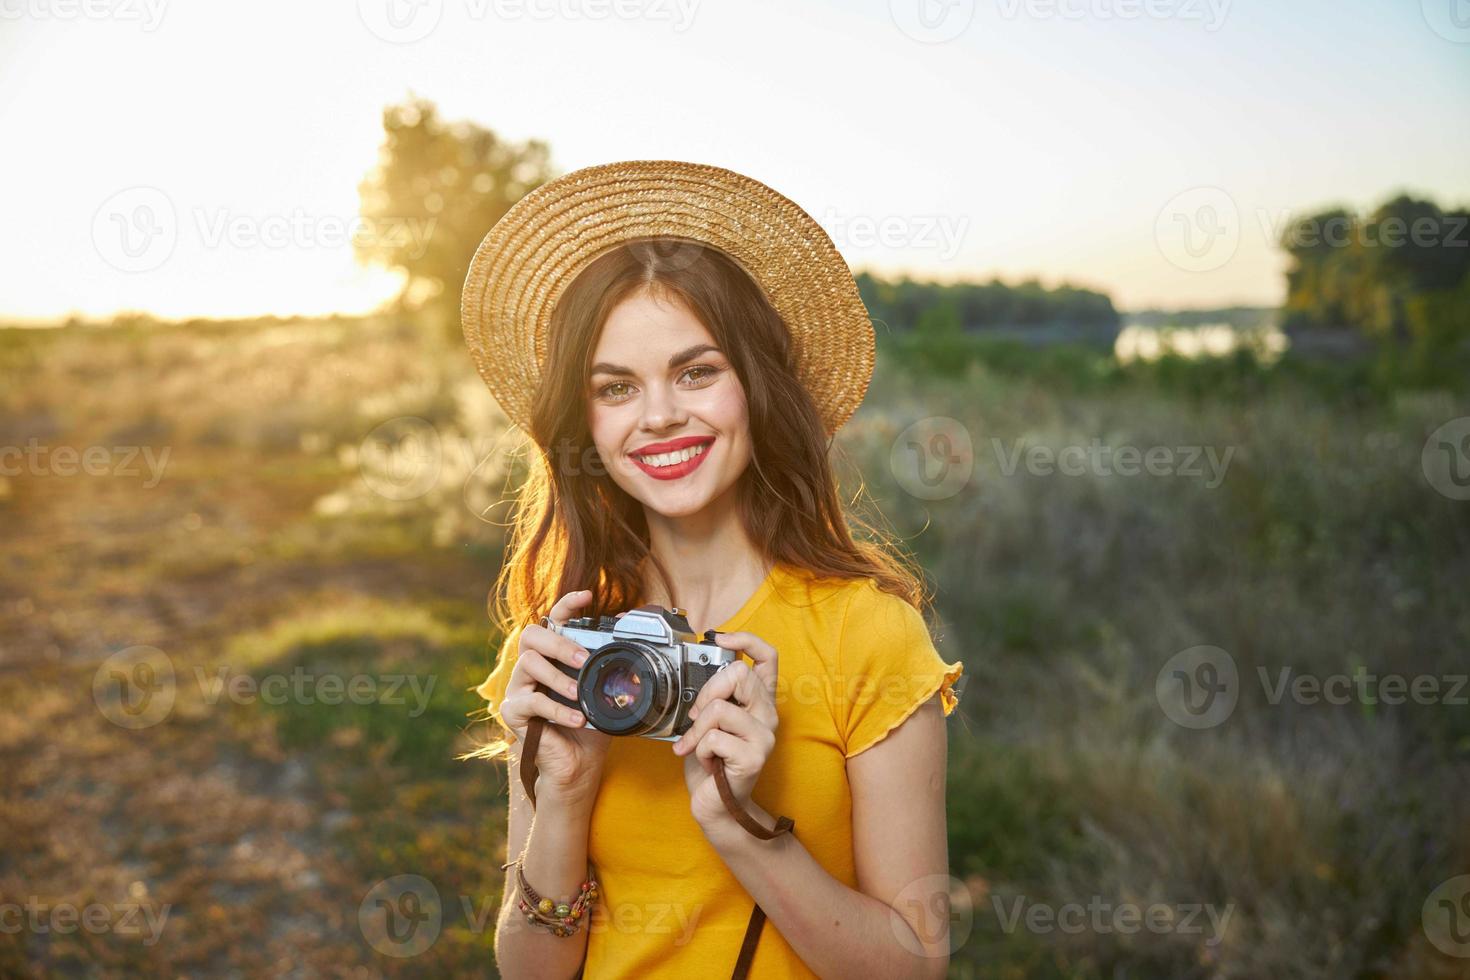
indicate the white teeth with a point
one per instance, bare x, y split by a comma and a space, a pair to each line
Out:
669, 459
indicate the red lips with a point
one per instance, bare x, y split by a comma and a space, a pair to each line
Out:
677, 470
654, 448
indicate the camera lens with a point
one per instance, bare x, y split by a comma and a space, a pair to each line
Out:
625, 689
619, 687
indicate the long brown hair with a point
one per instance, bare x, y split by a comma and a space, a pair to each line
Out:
574, 528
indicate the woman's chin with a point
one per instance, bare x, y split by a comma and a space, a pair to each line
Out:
676, 499
674, 505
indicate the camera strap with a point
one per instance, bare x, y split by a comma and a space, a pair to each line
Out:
784, 825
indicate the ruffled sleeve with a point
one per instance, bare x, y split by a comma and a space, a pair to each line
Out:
889, 667
492, 688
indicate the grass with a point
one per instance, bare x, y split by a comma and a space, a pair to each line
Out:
1322, 550
388, 690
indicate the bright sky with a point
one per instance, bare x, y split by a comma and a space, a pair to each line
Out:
1076, 140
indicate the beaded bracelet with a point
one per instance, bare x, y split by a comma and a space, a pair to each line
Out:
562, 918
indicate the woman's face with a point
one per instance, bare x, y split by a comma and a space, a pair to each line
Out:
666, 410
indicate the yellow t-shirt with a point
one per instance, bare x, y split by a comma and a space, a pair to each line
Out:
854, 662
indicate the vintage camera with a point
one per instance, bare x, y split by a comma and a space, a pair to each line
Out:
643, 671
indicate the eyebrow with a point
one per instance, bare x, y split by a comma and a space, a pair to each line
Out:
683, 357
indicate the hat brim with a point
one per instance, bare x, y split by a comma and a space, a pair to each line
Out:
551, 235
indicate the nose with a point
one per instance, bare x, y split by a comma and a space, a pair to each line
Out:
661, 410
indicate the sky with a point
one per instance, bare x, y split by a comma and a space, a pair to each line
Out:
191, 158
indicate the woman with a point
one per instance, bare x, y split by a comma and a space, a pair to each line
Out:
681, 342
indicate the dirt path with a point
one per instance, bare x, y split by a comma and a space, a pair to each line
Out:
181, 848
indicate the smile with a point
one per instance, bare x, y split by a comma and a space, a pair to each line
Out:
674, 461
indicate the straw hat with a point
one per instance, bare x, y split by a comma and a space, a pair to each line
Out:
533, 253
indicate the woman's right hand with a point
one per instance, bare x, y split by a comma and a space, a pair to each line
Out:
570, 755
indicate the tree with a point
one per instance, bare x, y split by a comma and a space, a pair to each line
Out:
900, 304
1369, 274
436, 190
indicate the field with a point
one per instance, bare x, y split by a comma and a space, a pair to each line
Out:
217, 513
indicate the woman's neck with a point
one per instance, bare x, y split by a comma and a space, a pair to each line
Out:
712, 564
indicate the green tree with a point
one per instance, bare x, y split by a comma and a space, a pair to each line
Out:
437, 188
1370, 274
1439, 335
1316, 292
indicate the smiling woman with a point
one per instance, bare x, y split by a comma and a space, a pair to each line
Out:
707, 382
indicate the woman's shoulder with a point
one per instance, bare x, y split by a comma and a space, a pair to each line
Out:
880, 656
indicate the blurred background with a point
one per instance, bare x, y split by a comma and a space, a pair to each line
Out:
1173, 401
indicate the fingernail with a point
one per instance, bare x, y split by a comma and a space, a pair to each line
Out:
581, 659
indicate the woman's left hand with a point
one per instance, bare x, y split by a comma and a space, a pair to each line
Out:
740, 732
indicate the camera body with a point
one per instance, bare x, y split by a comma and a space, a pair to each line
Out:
643, 671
